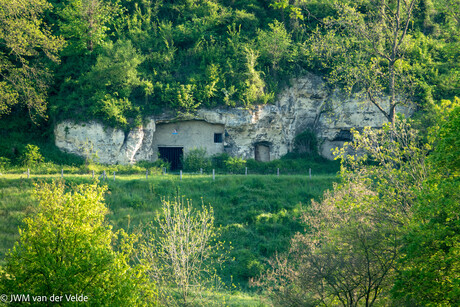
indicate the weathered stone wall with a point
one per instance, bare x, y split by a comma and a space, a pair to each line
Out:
307, 103
188, 134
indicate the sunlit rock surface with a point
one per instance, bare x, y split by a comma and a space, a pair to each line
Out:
307, 103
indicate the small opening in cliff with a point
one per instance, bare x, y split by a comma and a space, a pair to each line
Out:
344, 136
262, 151
172, 155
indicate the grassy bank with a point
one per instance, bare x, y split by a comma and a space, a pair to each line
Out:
257, 214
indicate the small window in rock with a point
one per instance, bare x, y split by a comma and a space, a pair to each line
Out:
217, 137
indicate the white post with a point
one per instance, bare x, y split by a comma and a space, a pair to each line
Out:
246, 171
180, 174
201, 171
113, 176
28, 173
309, 172
147, 174
104, 176
213, 174
62, 173
93, 174
278, 172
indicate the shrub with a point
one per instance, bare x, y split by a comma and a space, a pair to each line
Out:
31, 156
196, 159
218, 161
67, 248
181, 251
235, 164
4, 164
306, 142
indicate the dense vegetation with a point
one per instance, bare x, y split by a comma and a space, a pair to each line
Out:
387, 233
120, 60
257, 214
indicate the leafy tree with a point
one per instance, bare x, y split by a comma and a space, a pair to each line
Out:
31, 156
26, 49
253, 83
110, 83
66, 247
349, 255
85, 23
365, 47
430, 267
181, 251
275, 44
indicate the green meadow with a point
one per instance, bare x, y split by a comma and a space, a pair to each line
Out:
257, 214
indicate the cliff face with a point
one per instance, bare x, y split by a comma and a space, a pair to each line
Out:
308, 103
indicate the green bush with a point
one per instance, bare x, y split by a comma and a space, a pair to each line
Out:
4, 164
306, 142
67, 247
235, 164
31, 156
218, 161
196, 159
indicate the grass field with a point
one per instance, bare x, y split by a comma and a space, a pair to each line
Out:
258, 214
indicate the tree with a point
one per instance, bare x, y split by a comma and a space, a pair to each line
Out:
26, 49
365, 47
85, 23
429, 272
350, 252
181, 251
274, 44
66, 248
109, 84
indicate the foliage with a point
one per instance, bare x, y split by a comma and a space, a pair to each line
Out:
306, 142
364, 47
181, 251
31, 156
196, 159
27, 47
235, 164
275, 44
350, 251
111, 81
85, 23
430, 269
66, 247
4, 164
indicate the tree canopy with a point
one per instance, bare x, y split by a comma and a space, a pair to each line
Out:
123, 60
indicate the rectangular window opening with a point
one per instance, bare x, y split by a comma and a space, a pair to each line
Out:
217, 137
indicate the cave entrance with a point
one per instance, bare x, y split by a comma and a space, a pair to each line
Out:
172, 155
262, 152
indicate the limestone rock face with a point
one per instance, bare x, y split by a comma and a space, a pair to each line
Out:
267, 130
108, 144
